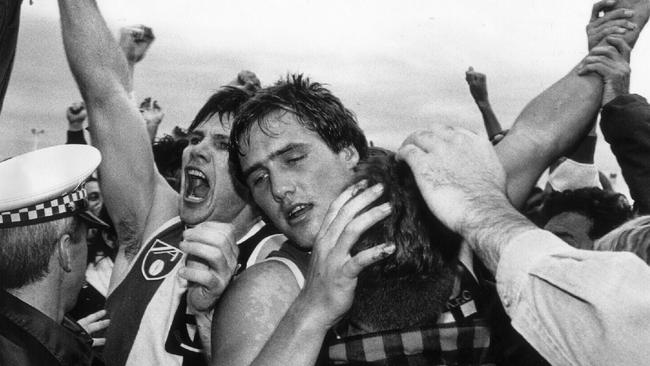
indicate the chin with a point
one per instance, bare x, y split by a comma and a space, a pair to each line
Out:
193, 216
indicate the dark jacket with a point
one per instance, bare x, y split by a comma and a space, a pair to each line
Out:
29, 337
625, 122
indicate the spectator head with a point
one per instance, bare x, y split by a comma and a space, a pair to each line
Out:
633, 236
411, 287
168, 155
295, 147
583, 215
208, 191
95, 198
44, 221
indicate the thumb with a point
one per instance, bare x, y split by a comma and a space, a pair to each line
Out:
410, 154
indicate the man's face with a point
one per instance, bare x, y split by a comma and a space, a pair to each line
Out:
207, 190
95, 200
294, 176
573, 228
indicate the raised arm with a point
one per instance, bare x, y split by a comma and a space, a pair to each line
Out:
130, 183
559, 117
478, 88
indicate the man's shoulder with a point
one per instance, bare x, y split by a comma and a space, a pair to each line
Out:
264, 279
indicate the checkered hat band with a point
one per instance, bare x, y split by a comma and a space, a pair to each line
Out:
443, 344
60, 207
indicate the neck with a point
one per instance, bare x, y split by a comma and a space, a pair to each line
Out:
244, 221
43, 296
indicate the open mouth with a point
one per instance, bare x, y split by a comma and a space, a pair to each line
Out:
298, 212
197, 186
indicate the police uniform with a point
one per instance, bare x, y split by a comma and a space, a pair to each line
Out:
37, 187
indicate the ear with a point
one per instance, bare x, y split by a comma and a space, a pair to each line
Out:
350, 156
64, 247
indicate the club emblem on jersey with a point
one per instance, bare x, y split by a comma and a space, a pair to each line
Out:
160, 260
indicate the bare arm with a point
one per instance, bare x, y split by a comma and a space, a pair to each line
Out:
558, 118
249, 311
548, 126
130, 183
478, 88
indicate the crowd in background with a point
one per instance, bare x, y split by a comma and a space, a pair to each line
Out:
270, 231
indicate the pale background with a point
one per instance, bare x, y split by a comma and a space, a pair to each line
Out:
398, 65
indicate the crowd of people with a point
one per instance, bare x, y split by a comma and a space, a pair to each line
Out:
271, 232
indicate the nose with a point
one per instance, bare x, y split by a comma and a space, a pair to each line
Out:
199, 151
282, 186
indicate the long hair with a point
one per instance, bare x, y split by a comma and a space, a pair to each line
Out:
410, 287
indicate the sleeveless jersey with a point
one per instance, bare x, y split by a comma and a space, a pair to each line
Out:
472, 330
149, 323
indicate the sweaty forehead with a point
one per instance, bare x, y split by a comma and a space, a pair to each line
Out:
276, 132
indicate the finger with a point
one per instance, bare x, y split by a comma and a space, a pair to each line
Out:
598, 68
98, 342
214, 282
97, 326
218, 260
623, 23
215, 235
600, 6
365, 258
359, 225
621, 46
348, 212
336, 205
92, 317
431, 138
409, 154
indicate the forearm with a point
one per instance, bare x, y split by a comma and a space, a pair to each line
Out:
492, 125
625, 123
95, 59
548, 126
491, 227
76, 137
296, 341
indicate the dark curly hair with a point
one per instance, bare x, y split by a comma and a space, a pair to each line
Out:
225, 102
315, 107
606, 209
411, 287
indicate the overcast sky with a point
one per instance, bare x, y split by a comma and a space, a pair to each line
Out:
398, 65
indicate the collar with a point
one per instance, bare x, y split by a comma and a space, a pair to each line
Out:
67, 342
466, 258
253, 230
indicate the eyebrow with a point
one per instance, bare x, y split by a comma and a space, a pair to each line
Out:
287, 148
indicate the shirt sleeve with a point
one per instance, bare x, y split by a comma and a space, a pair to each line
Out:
576, 307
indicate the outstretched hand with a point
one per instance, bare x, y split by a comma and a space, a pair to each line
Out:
210, 265
135, 41
333, 272
455, 169
477, 85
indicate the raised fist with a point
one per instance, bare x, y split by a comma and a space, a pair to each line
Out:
477, 85
76, 115
246, 80
135, 41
